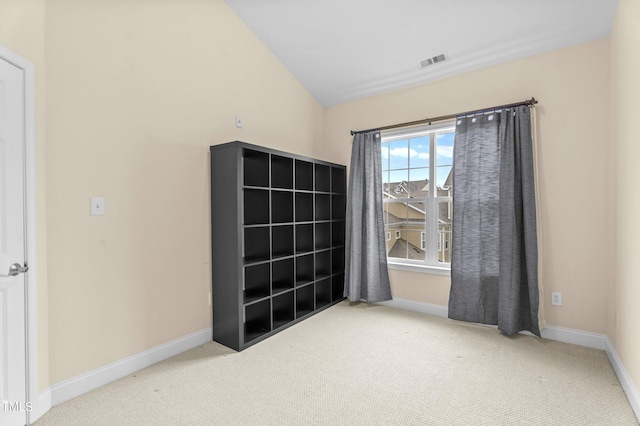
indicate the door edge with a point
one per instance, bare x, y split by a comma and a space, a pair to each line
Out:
31, 288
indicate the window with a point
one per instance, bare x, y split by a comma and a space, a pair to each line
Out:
417, 194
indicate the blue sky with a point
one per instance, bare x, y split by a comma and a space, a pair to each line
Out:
400, 155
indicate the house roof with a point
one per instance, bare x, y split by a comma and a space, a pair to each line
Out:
399, 249
414, 189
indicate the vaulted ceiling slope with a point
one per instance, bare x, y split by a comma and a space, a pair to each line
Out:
343, 50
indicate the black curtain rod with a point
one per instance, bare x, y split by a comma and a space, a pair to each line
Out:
529, 102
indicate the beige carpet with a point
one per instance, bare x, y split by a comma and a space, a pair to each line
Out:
366, 365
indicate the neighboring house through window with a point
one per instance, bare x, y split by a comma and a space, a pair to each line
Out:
417, 194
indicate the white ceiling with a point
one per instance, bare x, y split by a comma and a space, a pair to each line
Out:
343, 50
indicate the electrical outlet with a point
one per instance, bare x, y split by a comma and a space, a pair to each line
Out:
556, 298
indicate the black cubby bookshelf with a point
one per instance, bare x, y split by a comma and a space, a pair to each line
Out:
277, 223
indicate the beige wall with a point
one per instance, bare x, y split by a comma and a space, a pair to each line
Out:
22, 26
625, 87
137, 92
572, 86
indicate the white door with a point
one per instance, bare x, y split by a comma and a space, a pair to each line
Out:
13, 398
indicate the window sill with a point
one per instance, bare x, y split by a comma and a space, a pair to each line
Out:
433, 270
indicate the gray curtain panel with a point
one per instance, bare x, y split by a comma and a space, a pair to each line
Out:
366, 275
494, 264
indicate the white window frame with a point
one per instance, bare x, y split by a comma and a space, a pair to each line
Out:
431, 264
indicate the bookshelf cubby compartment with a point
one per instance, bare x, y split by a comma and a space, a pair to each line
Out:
304, 207
337, 287
256, 206
323, 207
257, 319
338, 180
323, 235
305, 300
304, 238
282, 241
323, 264
275, 220
337, 206
337, 260
282, 276
283, 309
281, 172
337, 233
281, 206
322, 178
323, 292
304, 175
256, 282
255, 167
256, 244
304, 269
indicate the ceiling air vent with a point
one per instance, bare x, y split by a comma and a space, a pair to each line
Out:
433, 60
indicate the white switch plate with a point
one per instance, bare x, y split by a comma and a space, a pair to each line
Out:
238, 121
97, 206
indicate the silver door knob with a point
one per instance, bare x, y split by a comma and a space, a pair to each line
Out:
16, 269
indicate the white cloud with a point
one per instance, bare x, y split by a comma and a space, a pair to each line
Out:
423, 156
403, 152
445, 151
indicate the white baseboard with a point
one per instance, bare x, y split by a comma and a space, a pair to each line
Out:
42, 406
566, 335
76, 386
630, 389
422, 307
575, 337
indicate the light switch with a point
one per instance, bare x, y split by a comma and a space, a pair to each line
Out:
97, 206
